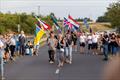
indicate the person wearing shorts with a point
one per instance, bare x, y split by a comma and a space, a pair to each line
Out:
74, 37
82, 43
94, 43
89, 41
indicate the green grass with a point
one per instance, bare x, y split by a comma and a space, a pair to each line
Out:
97, 27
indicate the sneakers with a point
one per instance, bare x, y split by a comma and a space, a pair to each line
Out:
60, 65
70, 62
67, 61
2, 78
13, 59
105, 59
36, 54
57, 71
51, 62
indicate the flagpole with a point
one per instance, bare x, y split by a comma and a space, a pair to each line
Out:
0, 6
63, 28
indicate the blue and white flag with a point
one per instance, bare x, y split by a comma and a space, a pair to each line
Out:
86, 23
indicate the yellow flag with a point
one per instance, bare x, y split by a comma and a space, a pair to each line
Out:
38, 36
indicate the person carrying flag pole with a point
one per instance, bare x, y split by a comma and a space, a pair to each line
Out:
38, 35
74, 26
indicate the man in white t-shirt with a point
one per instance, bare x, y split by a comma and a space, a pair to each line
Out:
89, 41
94, 43
82, 42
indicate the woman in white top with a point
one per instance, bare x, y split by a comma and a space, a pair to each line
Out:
82, 42
12, 46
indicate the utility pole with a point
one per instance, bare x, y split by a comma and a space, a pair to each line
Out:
0, 6
18, 26
39, 11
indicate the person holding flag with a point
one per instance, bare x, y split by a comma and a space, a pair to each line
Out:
52, 42
68, 47
75, 38
38, 35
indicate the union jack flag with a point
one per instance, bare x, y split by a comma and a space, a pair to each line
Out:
67, 23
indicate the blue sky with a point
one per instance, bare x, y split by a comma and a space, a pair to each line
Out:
61, 8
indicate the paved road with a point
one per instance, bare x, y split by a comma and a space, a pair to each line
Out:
84, 67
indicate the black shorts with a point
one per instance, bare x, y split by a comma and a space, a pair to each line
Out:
82, 44
94, 45
51, 55
89, 46
75, 42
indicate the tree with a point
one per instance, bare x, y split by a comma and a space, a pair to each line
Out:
102, 19
47, 19
113, 13
9, 21
82, 19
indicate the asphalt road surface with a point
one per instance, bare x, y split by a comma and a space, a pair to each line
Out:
84, 67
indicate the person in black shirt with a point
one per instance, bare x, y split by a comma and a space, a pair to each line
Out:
68, 47
109, 44
105, 42
60, 50
114, 44
22, 40
74, 37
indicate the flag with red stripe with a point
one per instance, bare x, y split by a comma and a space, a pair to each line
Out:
43, 25
73, 22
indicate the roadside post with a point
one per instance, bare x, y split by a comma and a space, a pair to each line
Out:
1, 65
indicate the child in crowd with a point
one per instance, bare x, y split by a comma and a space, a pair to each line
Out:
29, 48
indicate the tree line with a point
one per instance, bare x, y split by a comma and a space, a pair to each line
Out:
112, 15
10, 22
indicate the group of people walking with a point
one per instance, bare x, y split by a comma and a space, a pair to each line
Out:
61, 46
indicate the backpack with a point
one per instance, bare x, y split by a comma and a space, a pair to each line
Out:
21, 39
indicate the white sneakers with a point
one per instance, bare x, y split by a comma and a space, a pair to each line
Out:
51, 62
57, 71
